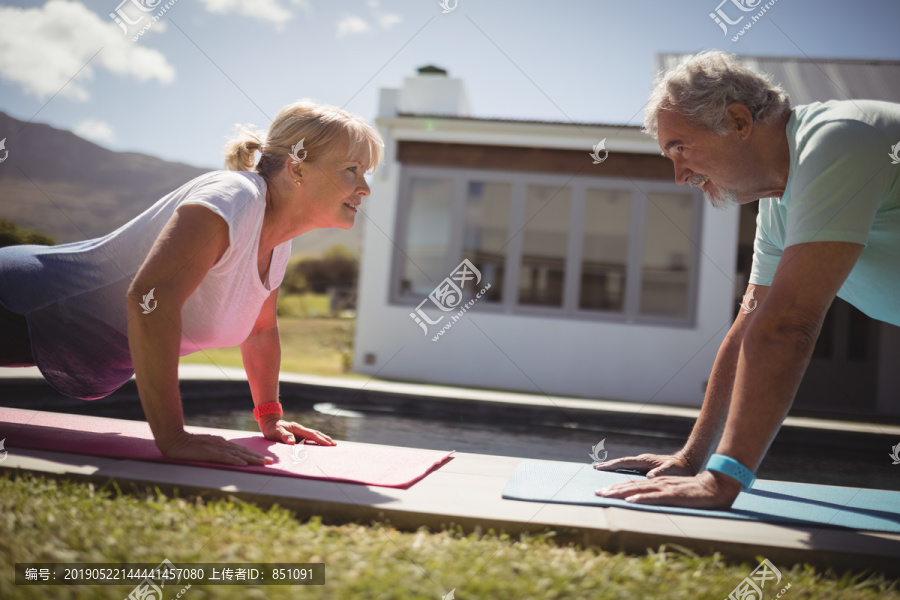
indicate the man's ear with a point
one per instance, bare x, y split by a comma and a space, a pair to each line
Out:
740, 119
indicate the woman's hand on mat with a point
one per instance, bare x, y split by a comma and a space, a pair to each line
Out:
707, 490
654, 465
288, 432
212, 448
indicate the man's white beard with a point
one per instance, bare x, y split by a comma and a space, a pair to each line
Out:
723, 199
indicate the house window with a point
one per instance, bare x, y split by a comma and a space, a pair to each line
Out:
545, 238
666, 254
427, 234
582, 247
604, 249
486, 232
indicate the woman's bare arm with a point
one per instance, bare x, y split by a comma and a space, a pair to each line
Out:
189, 245
261, 352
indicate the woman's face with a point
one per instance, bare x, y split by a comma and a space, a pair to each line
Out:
333, 188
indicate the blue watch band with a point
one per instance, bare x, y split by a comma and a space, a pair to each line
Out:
732, 468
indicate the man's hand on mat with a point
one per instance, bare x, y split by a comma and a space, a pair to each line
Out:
654, 465
288, 432
706, 490
212, 448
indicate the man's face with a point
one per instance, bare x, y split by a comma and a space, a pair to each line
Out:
701, 159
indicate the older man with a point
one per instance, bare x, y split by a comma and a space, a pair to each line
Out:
829, 225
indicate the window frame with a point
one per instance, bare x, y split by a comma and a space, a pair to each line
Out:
639, 189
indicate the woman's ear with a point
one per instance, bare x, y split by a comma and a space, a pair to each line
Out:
294, 169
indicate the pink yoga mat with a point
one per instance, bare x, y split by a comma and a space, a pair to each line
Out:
368, 464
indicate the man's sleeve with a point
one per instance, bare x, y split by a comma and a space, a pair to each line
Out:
841, 179
767, 247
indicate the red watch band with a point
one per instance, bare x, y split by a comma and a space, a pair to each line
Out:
267, 409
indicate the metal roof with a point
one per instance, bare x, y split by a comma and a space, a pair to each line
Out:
522, 121
819, 79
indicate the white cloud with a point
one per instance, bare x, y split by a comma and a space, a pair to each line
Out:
350, 25
94, 130
42, 48
388, 20
266, 10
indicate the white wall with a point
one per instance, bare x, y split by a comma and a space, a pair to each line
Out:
574, 357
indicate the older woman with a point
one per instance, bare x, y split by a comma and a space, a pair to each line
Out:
198, 269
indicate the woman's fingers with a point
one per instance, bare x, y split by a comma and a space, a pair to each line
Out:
290, 432
309, 434
212, 448
230, 453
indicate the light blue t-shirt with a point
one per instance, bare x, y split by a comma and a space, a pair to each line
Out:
842, 187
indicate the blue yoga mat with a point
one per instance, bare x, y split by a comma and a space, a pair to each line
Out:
772, 501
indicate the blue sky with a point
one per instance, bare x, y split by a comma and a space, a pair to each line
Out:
178, 91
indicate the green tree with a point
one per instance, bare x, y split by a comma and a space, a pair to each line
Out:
338, 266
13, 235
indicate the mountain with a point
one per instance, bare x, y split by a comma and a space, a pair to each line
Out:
55, 182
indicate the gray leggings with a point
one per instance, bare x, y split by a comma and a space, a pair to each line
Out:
15, 344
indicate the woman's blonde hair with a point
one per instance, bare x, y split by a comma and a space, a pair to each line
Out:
320, 127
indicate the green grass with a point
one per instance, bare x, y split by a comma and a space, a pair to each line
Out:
311, 345
45, 520
303, 305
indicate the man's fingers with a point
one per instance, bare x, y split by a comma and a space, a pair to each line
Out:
658, 471
609, 465
629, 462
620, 490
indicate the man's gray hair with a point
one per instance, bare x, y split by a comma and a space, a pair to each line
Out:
702, 88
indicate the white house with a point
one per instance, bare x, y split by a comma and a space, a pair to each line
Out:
605, 280
589, 271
